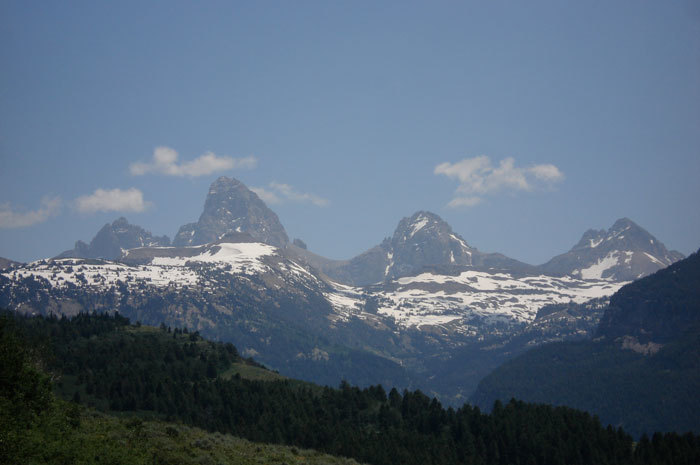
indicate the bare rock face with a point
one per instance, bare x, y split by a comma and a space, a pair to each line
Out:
624, 252
232, 207
112, 239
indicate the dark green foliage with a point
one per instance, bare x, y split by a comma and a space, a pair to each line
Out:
122, 368
657, 308
640, 393
651, 388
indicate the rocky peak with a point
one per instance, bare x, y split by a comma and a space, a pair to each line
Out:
424, 239
624, 252
231, 207
112, 238
419, 241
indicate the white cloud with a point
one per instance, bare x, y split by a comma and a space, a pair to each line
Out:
10, 218
165, 162
464, 202
103, 200
267, 196
547, 172
277, 193
478, 177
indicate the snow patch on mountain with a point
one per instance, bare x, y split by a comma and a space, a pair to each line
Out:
243, 257
462, 243
61, 273
347, 301
429, 299
595, 242
166, 269
655, 260
418, 225
596, 270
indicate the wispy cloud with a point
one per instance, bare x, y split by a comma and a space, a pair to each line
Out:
11, 218
276, 193
165, 162
117, 200
478, 177
464, 202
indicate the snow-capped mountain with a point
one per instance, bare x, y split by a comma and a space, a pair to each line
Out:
232, 207
624, 252
113, 239
413, 311
171, 267
283, 311
420, 241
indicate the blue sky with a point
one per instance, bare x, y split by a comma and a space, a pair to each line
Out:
521, 123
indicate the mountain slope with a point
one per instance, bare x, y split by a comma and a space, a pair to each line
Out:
624, 252
231, 207
36, 426
7, 263
139, 371
277, 309
113, 239
291, 317
656, 309
641, 372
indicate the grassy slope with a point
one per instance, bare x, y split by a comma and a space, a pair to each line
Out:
104, 439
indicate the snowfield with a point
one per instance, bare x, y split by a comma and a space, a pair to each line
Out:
424, 300
436, 300
238, 259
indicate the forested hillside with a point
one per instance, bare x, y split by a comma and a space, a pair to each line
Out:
641, 371
175, 375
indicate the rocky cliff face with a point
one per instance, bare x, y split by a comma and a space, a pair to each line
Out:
232, 207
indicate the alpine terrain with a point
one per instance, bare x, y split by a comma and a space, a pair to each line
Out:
423, 309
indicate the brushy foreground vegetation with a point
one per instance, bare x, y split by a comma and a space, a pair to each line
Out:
147, 375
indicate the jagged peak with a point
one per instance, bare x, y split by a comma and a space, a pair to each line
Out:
624, 223
625, 252
593, 238
230, 206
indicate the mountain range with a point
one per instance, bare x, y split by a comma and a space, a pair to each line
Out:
422, 309
622, 253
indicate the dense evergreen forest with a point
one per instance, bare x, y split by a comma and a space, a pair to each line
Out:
175, 375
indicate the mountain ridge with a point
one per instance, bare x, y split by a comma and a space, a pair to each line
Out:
623, 252
420, 242
112, 239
